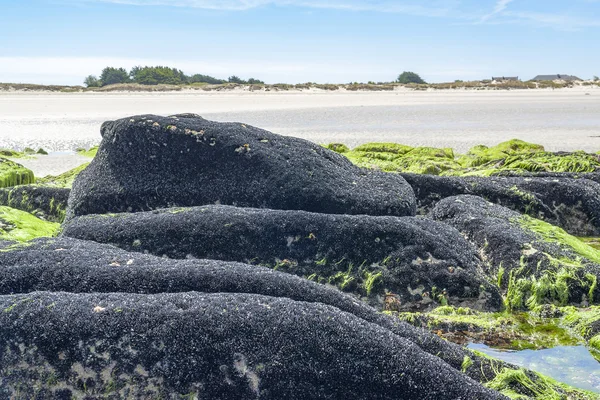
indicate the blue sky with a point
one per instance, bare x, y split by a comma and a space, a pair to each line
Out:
62, 41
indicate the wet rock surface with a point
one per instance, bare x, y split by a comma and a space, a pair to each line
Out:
48, 203
148, 162
418, 261
560, 199
118, 345
535, 262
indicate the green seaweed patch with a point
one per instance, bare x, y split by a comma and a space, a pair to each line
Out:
586, 323
524, 384
13, 174
513, 331
553, 234
377, 147
514, 157
517, 146
13, 153
64, 180
392, 157
91, 152
591, 241
337, 147
20, 226
557, 274
553, 286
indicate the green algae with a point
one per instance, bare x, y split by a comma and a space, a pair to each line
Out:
553, 276
586, 323
392, 157
514, 156
591, 241
514, 331
13, 153
20, 226
337, 147
64, 180
524, 384
91, 152
466, 364
553, 234
393, 148
13, 174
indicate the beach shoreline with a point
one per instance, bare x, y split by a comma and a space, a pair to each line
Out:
561, 120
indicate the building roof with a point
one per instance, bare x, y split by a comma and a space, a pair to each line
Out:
555, 77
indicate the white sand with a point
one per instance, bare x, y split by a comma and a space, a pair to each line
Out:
565, 119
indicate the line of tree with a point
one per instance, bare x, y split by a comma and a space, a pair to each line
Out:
155, 76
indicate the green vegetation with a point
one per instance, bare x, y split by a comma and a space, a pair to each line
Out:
13, 174
112, 75
553, 234
410, 77
92, 81
523, 384
586, 322
91, 152
158, 75
515, 331
591, 241
63, 180
514, 156
20, 226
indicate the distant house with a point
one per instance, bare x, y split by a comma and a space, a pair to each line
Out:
562, 77
505, 78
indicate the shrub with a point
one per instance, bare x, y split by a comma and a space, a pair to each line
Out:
111, 75
92, 81
410, 77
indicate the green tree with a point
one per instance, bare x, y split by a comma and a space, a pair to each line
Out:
253, 81
410, 77
158, 75
235, 79
199, 78
112, 75
92, 81
596, 79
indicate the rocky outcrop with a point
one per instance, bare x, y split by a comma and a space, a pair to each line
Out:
229, 337
572, 204
48, 203
533, 261
418, 262
148, 162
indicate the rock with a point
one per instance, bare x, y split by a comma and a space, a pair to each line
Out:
74, 266
535, 262
572, 204
48, 203
148, 162
13, 174
420, 261
211, 346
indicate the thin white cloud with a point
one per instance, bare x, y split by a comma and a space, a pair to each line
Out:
554, 21
438, 9
500, 6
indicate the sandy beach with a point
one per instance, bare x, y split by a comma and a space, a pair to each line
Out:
565, 119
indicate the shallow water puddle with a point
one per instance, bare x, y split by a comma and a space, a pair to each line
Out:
573, 365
